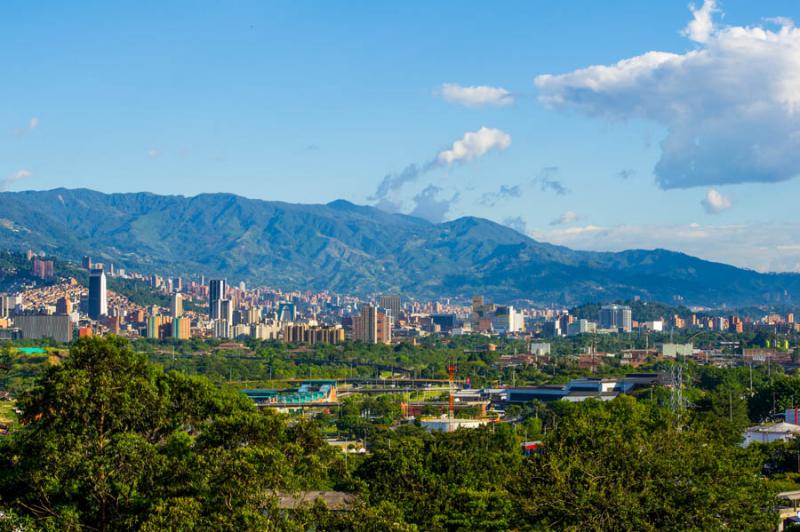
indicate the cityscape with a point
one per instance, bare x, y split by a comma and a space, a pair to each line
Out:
400, 266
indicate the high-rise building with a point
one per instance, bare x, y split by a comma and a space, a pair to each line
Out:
176, 306
9, 304
226, 310
181, 328
617, 317
216, 293
372, 326
392, 303
43, 269
98, 297
87, 262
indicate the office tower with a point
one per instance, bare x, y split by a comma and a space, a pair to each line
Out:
287, 311
216, 293
226, 311
87, 262
617, 317
98, 298
177, 284
176, 306
392, 303
372, 326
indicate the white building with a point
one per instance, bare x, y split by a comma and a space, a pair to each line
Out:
675, 350
540, 349
770, 433
581, 327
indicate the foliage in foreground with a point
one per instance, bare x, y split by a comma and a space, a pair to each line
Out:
109, 441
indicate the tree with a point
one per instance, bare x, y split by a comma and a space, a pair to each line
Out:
109, 441
623, 465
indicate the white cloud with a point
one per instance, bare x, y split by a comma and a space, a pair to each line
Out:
714, 202
476, 96
428, 205
475, 144
153, 153
472, 145
566, 218
741, 245
731, 107
6, 183
702, 25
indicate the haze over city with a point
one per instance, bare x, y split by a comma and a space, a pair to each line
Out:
598, 126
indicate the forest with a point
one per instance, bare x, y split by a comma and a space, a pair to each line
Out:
108, 440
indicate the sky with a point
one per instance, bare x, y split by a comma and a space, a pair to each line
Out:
597, 125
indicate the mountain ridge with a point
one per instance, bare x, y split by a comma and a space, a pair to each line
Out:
359, 249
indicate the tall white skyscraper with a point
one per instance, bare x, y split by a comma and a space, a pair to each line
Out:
98, 296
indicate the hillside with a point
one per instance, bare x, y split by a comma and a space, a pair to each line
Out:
349, 248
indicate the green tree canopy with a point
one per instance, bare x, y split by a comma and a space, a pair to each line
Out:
109, 441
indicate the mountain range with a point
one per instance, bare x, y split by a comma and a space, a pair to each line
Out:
358, 249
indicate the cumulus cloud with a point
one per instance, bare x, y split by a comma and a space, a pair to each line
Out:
471, 146
475, 144
740, 245
428, 204
702, 23
714, 202
731, 106
505, 192
475, 96
548, 181
516, 223
566, 217
6, 183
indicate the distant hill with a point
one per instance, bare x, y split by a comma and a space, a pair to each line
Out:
358, 249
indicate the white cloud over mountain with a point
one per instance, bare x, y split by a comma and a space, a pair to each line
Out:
473, 145
762, 247
731, 106
6, 183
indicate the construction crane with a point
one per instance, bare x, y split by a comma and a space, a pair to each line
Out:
451, 372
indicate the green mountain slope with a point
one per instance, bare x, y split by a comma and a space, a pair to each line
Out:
349, 248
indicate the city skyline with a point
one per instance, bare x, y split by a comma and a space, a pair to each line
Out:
494, 126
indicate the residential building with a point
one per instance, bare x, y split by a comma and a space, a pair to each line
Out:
176, 306
372, 326
393, 304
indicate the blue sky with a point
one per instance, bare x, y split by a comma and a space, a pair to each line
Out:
309, 102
